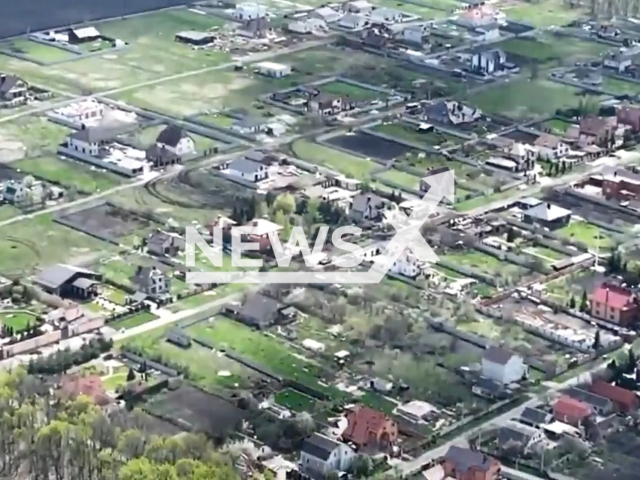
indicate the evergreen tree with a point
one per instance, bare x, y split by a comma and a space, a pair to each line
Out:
584, 303
596, 341
572, 303
131, 375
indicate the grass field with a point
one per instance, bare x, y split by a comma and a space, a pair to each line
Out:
349, 165
557, 125
69, 174
401, 178
134, 320
18, 321
481, 262
619, 87
587, 233
543, 14
520, 99
354, 92
147, 136
218, 119
408, 132
545, 252
418, 9
296, 401
33, 135
36, 51
548, 47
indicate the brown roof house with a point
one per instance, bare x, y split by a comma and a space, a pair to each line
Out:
629, 115
597, 130
623, 399
465, 464
370, 430
74, 386
571, 411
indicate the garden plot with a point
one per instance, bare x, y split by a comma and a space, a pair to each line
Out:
18, 321
369, 146
433, 138
30, 136
555, 126
399, 178
207, 369
543, 14
122, 271
353, 92
594, 237
548, 48
202, 412
35, 51
575, 285
144, 137
422, 9
107, 220
486, 264
69, 174
617, 86
349, 165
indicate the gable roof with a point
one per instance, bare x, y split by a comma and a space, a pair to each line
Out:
361, 201
57, 275
465, 459
171, 135
361, 421
589, 398
260, 308
7, 82
319, 446
547, 212
614, 393
244, 165
593, 125
498, 355
86, 32
534, 416
547, 140
514, 432
94, 134
613, 296
569, 406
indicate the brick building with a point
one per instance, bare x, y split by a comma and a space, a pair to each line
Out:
614, 303
621, 184
370, 430
629, 115
623, 399
571, 411
465, 464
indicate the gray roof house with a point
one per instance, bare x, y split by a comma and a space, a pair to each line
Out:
68, 281
247, 169
534, 417
164, 244
12, 87
261, 311
464, 461
321, 455
152, 281
519, 436
547, 215
367, 206
600, 405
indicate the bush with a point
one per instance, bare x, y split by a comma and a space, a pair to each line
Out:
63, 360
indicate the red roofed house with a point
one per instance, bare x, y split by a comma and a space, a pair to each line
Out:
615, 304
629, 115
571, 411
597, 130
73, 386
369, 429
624, 400
464, 464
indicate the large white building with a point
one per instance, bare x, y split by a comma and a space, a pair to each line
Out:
503, 366
249, 11
176, 140
321, 455
274, 70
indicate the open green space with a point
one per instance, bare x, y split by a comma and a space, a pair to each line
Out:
32, 136
296, 401
557, 125
69, 174
520, 99
145, 137
617, 86
349, 165
543, 14
34, 50
210, 370
410, 133
115, 295
273, 353
218, 119
482, 262
18, 321
589, 234
419, 8
133, 320
548, 47
545, 252
399, 177
354, 92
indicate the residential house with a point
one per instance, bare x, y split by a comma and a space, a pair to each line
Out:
192, 37
152, 281
503, 366
370, 430
629, 115
548, 216
321, 455
353, 21
325, 104
179, 338
12, 88
465, 464
327, 14
90, 140
165, 244
309, 25
551, 147
620, 184
367, 206
623, 400
17, 192
262, 312
249, 126
477, 16
258, 231
619, 61
223, 223
176, 140
615, 303
407, 265
255, 28
523, 437
508, 164
598, 405
249, 11
415, 34
83, 35
527, 203
68, 281
521, 152
248, 170
597, 130
535, 417
488, 388
487, 33
386, 15
451, 112
273, 70
571, 411
359, 6
78, 385
488, 61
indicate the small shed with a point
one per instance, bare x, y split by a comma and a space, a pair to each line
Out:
83, 35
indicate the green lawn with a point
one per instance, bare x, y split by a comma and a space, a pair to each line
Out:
69, 174
587, 233
557, 125
401, 178
548, 47
546, 252
543, 14
147, 136
354, 92
19, 321
133, 321
349, 165
410, 133
34, 135
520, 99
419, 8
116, 296
112, 382
296, 401
619, 87
218, 119
36, 51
